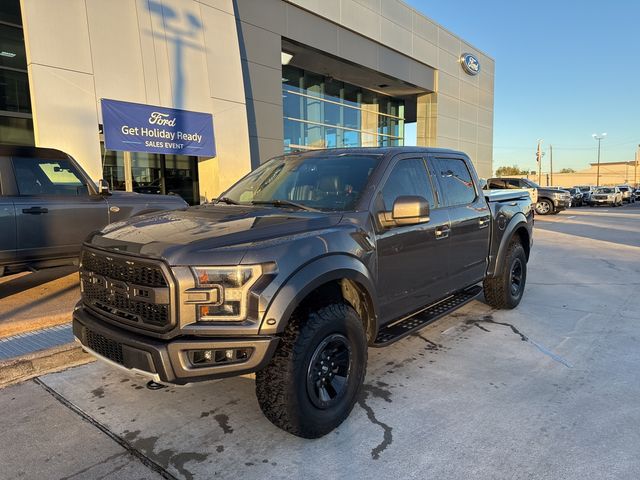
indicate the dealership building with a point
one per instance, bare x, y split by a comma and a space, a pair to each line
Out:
273, 77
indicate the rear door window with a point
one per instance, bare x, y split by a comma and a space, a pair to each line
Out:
36, 176
455, 181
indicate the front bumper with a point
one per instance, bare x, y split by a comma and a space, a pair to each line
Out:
561, 204
602, 201
166, 361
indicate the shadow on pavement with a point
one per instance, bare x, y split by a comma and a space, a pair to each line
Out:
22, 282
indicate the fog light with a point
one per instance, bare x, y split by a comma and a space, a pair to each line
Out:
223, 356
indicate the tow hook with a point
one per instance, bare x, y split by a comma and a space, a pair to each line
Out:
151, 385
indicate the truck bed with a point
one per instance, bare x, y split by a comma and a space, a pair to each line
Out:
505, 195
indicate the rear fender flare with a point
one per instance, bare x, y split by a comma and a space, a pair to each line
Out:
518, 221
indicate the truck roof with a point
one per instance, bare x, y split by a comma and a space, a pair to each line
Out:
25, 151
377, 151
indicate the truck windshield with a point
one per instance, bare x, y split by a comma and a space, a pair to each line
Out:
605, 190
530, 184
322, 182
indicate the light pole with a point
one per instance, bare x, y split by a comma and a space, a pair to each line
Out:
599, 138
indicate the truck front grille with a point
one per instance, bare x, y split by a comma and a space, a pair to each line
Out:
126, 290
105, 346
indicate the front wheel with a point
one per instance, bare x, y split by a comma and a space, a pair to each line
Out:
313, 381
544, 207
505, 290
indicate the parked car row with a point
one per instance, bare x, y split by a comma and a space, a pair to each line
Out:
552, 200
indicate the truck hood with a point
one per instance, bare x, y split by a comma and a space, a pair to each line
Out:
190, 236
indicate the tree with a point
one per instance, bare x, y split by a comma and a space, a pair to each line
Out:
567, 170
509, 170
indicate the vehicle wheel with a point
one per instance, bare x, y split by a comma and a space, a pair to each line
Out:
313, 381
544, 207
505, 290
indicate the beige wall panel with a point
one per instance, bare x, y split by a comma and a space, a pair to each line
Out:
361, 19
486, 81
374, 5
468, 93
65, 114
448, 85
224, 5
448, 127
448, 63
485, 118
268, 14
232, 147
327, 8
356, 48
425, 51
261, 46
447, 142
189, 68
471, 149
396, 11
162, 52
311, 30
485, 136
448, 42
468, 112
396, 37
468, 132
64, 21
425, 28
118, 67
147, 52
448, 106
223, 64
486, 100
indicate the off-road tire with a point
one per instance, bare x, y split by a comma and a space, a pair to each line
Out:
550, 210
282, 387
497, 289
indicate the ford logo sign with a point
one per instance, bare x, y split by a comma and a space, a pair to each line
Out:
470, 63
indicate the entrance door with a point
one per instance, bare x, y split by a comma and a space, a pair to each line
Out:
55, 210
412, 260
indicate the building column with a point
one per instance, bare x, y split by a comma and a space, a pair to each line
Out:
427, 113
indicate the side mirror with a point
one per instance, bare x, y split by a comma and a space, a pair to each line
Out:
407, 210
483, 184
103, 187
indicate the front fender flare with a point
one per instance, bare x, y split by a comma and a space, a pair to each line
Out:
307, 279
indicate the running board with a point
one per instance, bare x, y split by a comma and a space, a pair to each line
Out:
401, 329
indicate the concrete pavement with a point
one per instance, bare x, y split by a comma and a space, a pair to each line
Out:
544, 391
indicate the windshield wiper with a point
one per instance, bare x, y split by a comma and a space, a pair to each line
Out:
284, 203
226, 200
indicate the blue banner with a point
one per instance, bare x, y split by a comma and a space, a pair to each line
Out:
135, 127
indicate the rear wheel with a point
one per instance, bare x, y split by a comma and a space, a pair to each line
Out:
313, 381
505, 290
544, 207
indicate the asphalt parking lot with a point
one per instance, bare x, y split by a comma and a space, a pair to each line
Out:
548, 390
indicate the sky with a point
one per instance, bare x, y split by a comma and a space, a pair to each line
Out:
565, 69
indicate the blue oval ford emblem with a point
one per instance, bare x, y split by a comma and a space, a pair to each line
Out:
470, 63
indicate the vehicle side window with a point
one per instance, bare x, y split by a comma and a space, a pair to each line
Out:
455, 181
494, 183
408, 177
514, 183
36, 176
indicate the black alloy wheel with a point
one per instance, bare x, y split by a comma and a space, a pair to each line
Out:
329, 371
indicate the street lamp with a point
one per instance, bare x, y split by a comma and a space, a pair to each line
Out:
599, 138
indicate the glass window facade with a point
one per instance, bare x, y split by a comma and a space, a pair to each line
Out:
321, 112
154, 173
16, 126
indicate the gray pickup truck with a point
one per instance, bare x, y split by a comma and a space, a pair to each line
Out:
48, 206
297, 269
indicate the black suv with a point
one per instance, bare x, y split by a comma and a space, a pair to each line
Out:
550, 200
297, 269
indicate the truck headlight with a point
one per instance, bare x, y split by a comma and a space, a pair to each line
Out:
227, 291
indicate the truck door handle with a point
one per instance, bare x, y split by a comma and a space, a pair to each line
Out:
35, 210
442, 232
484, 222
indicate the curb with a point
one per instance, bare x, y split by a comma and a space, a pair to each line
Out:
29, 325
38, 363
